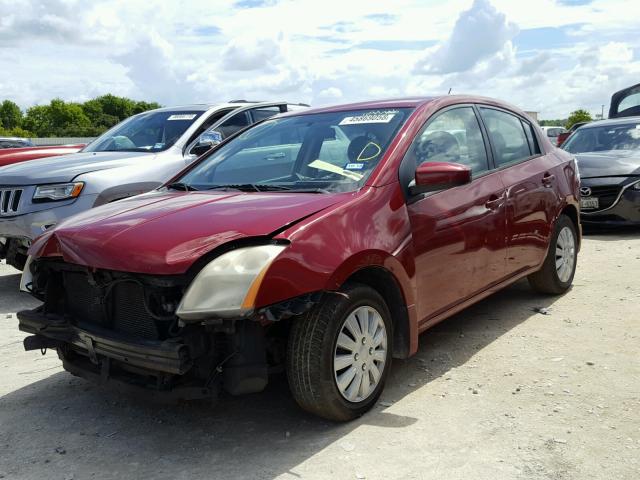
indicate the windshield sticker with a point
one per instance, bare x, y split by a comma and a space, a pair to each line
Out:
378, 116
329, 167
354, 166
182, 116
158, 145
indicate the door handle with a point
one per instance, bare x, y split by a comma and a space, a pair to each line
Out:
494, 202
275, 156
547, 179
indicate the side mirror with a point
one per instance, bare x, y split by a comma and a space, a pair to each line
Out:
434, 176
206, 141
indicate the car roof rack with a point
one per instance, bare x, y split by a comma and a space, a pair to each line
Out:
261, 101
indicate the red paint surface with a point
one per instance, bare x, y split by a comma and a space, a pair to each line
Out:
444, 251
9, 156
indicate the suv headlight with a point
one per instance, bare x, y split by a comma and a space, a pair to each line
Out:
228, 285
60, 191
636, 186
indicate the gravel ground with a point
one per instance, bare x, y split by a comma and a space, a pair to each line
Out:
500, 391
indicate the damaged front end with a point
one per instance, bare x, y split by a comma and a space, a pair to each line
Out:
126, 328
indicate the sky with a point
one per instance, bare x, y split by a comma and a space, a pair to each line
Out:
549, 56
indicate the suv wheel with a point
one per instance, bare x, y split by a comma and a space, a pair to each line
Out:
339, 354
556, 275
14, 257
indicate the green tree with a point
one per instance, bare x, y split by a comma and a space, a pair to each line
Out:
140, 107
578, 116
10, 115
551, 123
16, 132
68, 119
38, 120
88, 119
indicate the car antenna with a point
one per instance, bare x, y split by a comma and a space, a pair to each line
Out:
449, 92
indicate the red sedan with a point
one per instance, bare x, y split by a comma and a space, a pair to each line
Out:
321, 242
9, 156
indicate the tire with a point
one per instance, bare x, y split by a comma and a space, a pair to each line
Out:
313, 350
17, 260
557, 280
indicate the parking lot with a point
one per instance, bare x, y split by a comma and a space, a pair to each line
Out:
518, 386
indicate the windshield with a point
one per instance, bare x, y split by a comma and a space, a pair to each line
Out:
147, 132
606, 137
334, 151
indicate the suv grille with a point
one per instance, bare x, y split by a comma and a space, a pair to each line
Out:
607, 195
10, 201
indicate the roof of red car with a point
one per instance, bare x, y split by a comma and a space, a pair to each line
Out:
408, 102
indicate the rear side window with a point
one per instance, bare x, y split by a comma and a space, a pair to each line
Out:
531, 138
452, 136
508, 138
234, 124
264, 112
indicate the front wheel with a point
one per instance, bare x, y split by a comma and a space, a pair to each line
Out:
339, 354
559, 267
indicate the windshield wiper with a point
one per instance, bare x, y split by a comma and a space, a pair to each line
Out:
250, 187
263, 187
182, 187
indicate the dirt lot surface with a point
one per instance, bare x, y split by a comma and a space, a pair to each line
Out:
497, 392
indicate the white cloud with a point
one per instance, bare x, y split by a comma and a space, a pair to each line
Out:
253, 53
331, 93
304, 50
479, 32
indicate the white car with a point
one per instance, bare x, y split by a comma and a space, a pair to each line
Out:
553, 132
137, 155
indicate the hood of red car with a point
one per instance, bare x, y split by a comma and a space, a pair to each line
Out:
164, 233
9, 156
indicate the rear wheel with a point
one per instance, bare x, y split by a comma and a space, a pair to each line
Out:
556, 275
339, 354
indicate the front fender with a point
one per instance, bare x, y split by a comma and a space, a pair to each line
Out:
370, 229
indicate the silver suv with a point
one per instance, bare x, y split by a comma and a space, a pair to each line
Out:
137, 155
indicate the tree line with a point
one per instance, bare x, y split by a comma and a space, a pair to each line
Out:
68, 119
575, 117
95, 116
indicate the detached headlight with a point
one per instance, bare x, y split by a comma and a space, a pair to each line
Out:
228, 285
60, 191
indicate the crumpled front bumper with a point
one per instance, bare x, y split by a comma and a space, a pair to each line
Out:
168, 356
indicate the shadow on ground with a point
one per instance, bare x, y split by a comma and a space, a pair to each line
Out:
611, 234
105, 434
12, 298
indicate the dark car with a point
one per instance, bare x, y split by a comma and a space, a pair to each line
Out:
320, 242
13, 142
608, 154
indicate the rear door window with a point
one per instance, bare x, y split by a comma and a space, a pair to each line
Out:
507, 136
263, 113
234, 124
